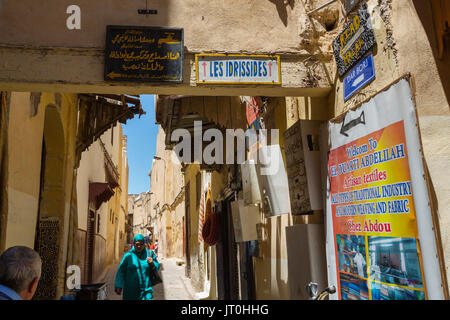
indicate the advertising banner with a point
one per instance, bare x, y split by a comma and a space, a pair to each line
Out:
376, 188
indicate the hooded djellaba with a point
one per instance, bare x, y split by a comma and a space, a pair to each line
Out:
133, 274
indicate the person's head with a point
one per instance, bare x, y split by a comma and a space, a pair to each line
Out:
138, 242
20, 270
147, 242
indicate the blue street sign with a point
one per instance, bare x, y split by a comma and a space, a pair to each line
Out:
359, 76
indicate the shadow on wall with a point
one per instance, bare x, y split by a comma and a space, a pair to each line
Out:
48, 239
282, 283
424, 10
282, 8
435, 203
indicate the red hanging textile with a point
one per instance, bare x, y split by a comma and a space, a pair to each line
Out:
201, 217
253, 109
211, 229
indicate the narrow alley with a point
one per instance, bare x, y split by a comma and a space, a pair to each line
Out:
175, 285
263, 149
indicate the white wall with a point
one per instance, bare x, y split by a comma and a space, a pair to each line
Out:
92, 169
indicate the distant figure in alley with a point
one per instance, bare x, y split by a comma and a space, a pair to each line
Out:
20, 271
133, 274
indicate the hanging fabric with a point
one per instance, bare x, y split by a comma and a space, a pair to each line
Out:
253, 109
201, 216
211, 228
206, 215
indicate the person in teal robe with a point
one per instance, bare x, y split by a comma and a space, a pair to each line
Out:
133, 274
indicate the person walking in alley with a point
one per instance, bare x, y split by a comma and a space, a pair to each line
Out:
156, 246
133, 274
20, 271
147, 242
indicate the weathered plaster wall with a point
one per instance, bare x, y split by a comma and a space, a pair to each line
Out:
91, 169
177, 228
197, 263
175, 199
142, 206
114, 146
167, 182
25, 141
66, 60
416, 54
124, 177
274, 25
159, 188
218, 181
27, 129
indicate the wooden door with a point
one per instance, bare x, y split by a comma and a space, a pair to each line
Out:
227, 256
90, 246
247, 281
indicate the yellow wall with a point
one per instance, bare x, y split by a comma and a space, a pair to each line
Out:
197, 250
92, 169
26, 132
167, 182
114, 212
25, 146
276, 27
124, 198
270, 268
218, 183
194, 248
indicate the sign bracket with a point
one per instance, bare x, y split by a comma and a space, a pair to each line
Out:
147, 10
321, 7
353, 123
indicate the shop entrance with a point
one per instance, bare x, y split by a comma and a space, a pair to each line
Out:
227, 259
234, 264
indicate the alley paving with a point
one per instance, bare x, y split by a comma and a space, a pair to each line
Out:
175, 285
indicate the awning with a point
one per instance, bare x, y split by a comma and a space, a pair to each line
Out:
99, 192
111, 174
97, 113
181, 112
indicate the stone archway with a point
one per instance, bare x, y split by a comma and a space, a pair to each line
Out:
51, 204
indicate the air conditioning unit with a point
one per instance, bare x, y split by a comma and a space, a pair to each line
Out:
250, 184
245, 219
301, 142
273, 181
